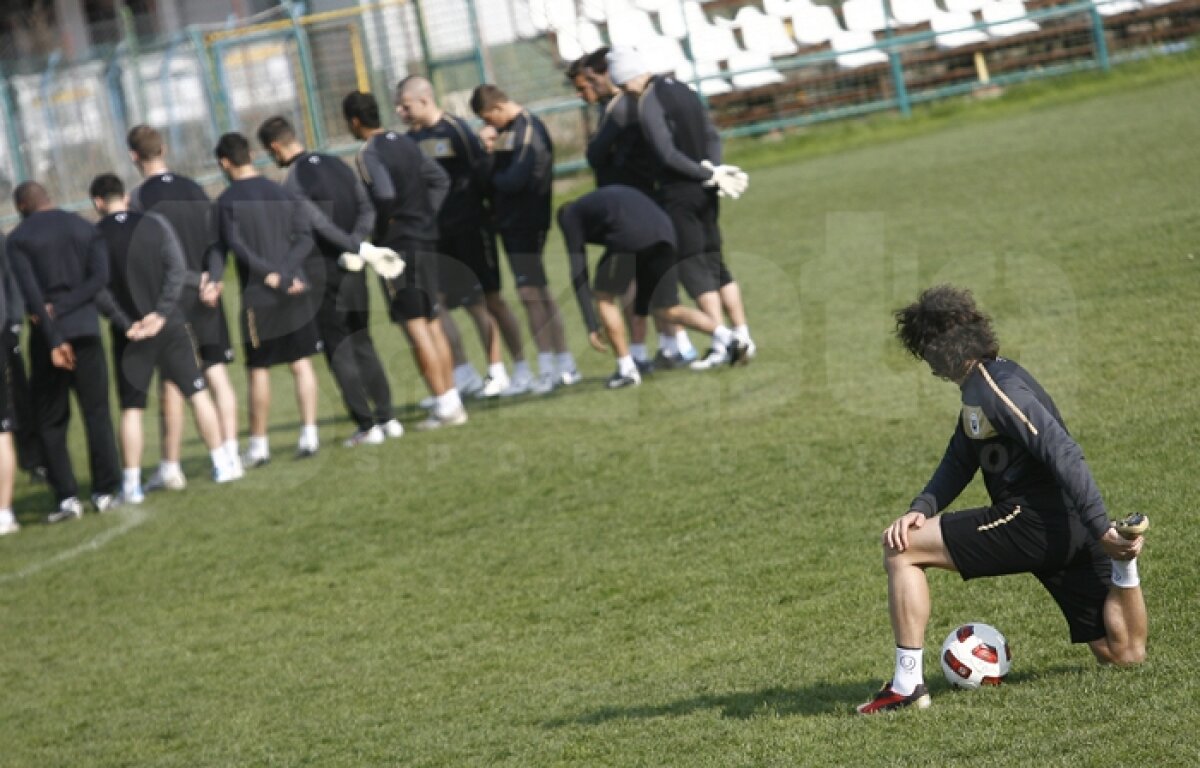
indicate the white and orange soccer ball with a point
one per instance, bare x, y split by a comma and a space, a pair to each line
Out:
975, 654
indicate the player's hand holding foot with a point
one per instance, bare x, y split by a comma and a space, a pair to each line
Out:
63, 356
597, 342
1118, 547
895, 536
386, 262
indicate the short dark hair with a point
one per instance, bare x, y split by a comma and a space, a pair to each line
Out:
944, 328
145, 142
235, 148
28, 196
277, 128
107, 186
576, 68
362, 107
597, 61
486, 97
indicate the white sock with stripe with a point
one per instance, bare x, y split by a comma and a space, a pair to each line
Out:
909, 673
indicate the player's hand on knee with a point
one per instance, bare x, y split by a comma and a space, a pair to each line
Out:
895, 536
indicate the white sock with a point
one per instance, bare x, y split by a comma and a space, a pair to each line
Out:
521, 370
566, 362
638, 352
683, 343
497, 371
908, 674
626, 366
465, 372
448, 402
133, 478
308, 435
546, 362
667, 345
1125, 574
231, 449
220, 458
721, 338
168, 468
742, 332
259, 445
6, 516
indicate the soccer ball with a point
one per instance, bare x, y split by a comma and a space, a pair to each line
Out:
974, 655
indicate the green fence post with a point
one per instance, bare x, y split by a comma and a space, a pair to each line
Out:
11, 130
483, 67
218, 108
894, 60
129, 32
1099, 39
426, 53
307, 74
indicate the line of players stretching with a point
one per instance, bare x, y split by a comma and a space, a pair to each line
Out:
420, 209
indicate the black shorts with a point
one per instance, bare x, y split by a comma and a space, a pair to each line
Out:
469, 267
1053, 546
655, 272
172, 353
279, 333
7, 417
210, 329
524, 249
413, 295
693, 211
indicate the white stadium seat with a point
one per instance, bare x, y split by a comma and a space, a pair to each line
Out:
864, 16
593, 10
561, 15
909, 13
1116, 7
763, 33
688, 72
589, 36
953, 30
763, 74
708, 40
539, 15
970, 6
814, 24
670, 16
1006, 18
848, 45
663, 54
629, 27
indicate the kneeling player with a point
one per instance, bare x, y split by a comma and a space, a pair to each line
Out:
146, 274
1047, 517
639, 241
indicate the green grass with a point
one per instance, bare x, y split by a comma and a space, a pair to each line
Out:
687, 574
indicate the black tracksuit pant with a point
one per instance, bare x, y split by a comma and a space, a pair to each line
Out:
51, 389
344, 323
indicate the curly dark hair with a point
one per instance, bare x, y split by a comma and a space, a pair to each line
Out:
944, 328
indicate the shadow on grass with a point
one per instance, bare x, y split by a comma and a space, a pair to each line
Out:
815, 699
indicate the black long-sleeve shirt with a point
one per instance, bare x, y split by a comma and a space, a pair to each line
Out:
679, 130
455, 147
407, 187
268, 229
339, 197
623, 220
61, 260
618, 153
1010, 428
522, 175
187, 208
146, 269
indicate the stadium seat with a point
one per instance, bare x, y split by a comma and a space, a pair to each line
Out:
1006, 18
539, 15
713, 42
953, 29
561, 15
712, 86
910, 13
763, 73
593, 10
670, 16
630, 27
969, 6
814, 24
764, 34
589, 36
864, 16
781, 9
663, 54
1116, 7
569, 47
849, 47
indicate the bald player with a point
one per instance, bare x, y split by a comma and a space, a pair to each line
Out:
471, 277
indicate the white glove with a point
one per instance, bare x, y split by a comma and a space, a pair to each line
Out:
386, 262
351, 262
730, 181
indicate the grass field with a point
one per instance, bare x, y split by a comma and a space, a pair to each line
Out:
687, 574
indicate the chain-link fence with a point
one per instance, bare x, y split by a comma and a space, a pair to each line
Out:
762, 65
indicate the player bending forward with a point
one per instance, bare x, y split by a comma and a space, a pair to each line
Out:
1046, 517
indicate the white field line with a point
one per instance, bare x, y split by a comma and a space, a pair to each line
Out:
132, 518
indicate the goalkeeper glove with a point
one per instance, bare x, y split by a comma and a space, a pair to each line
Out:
386, 262
351, 262
729, 180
